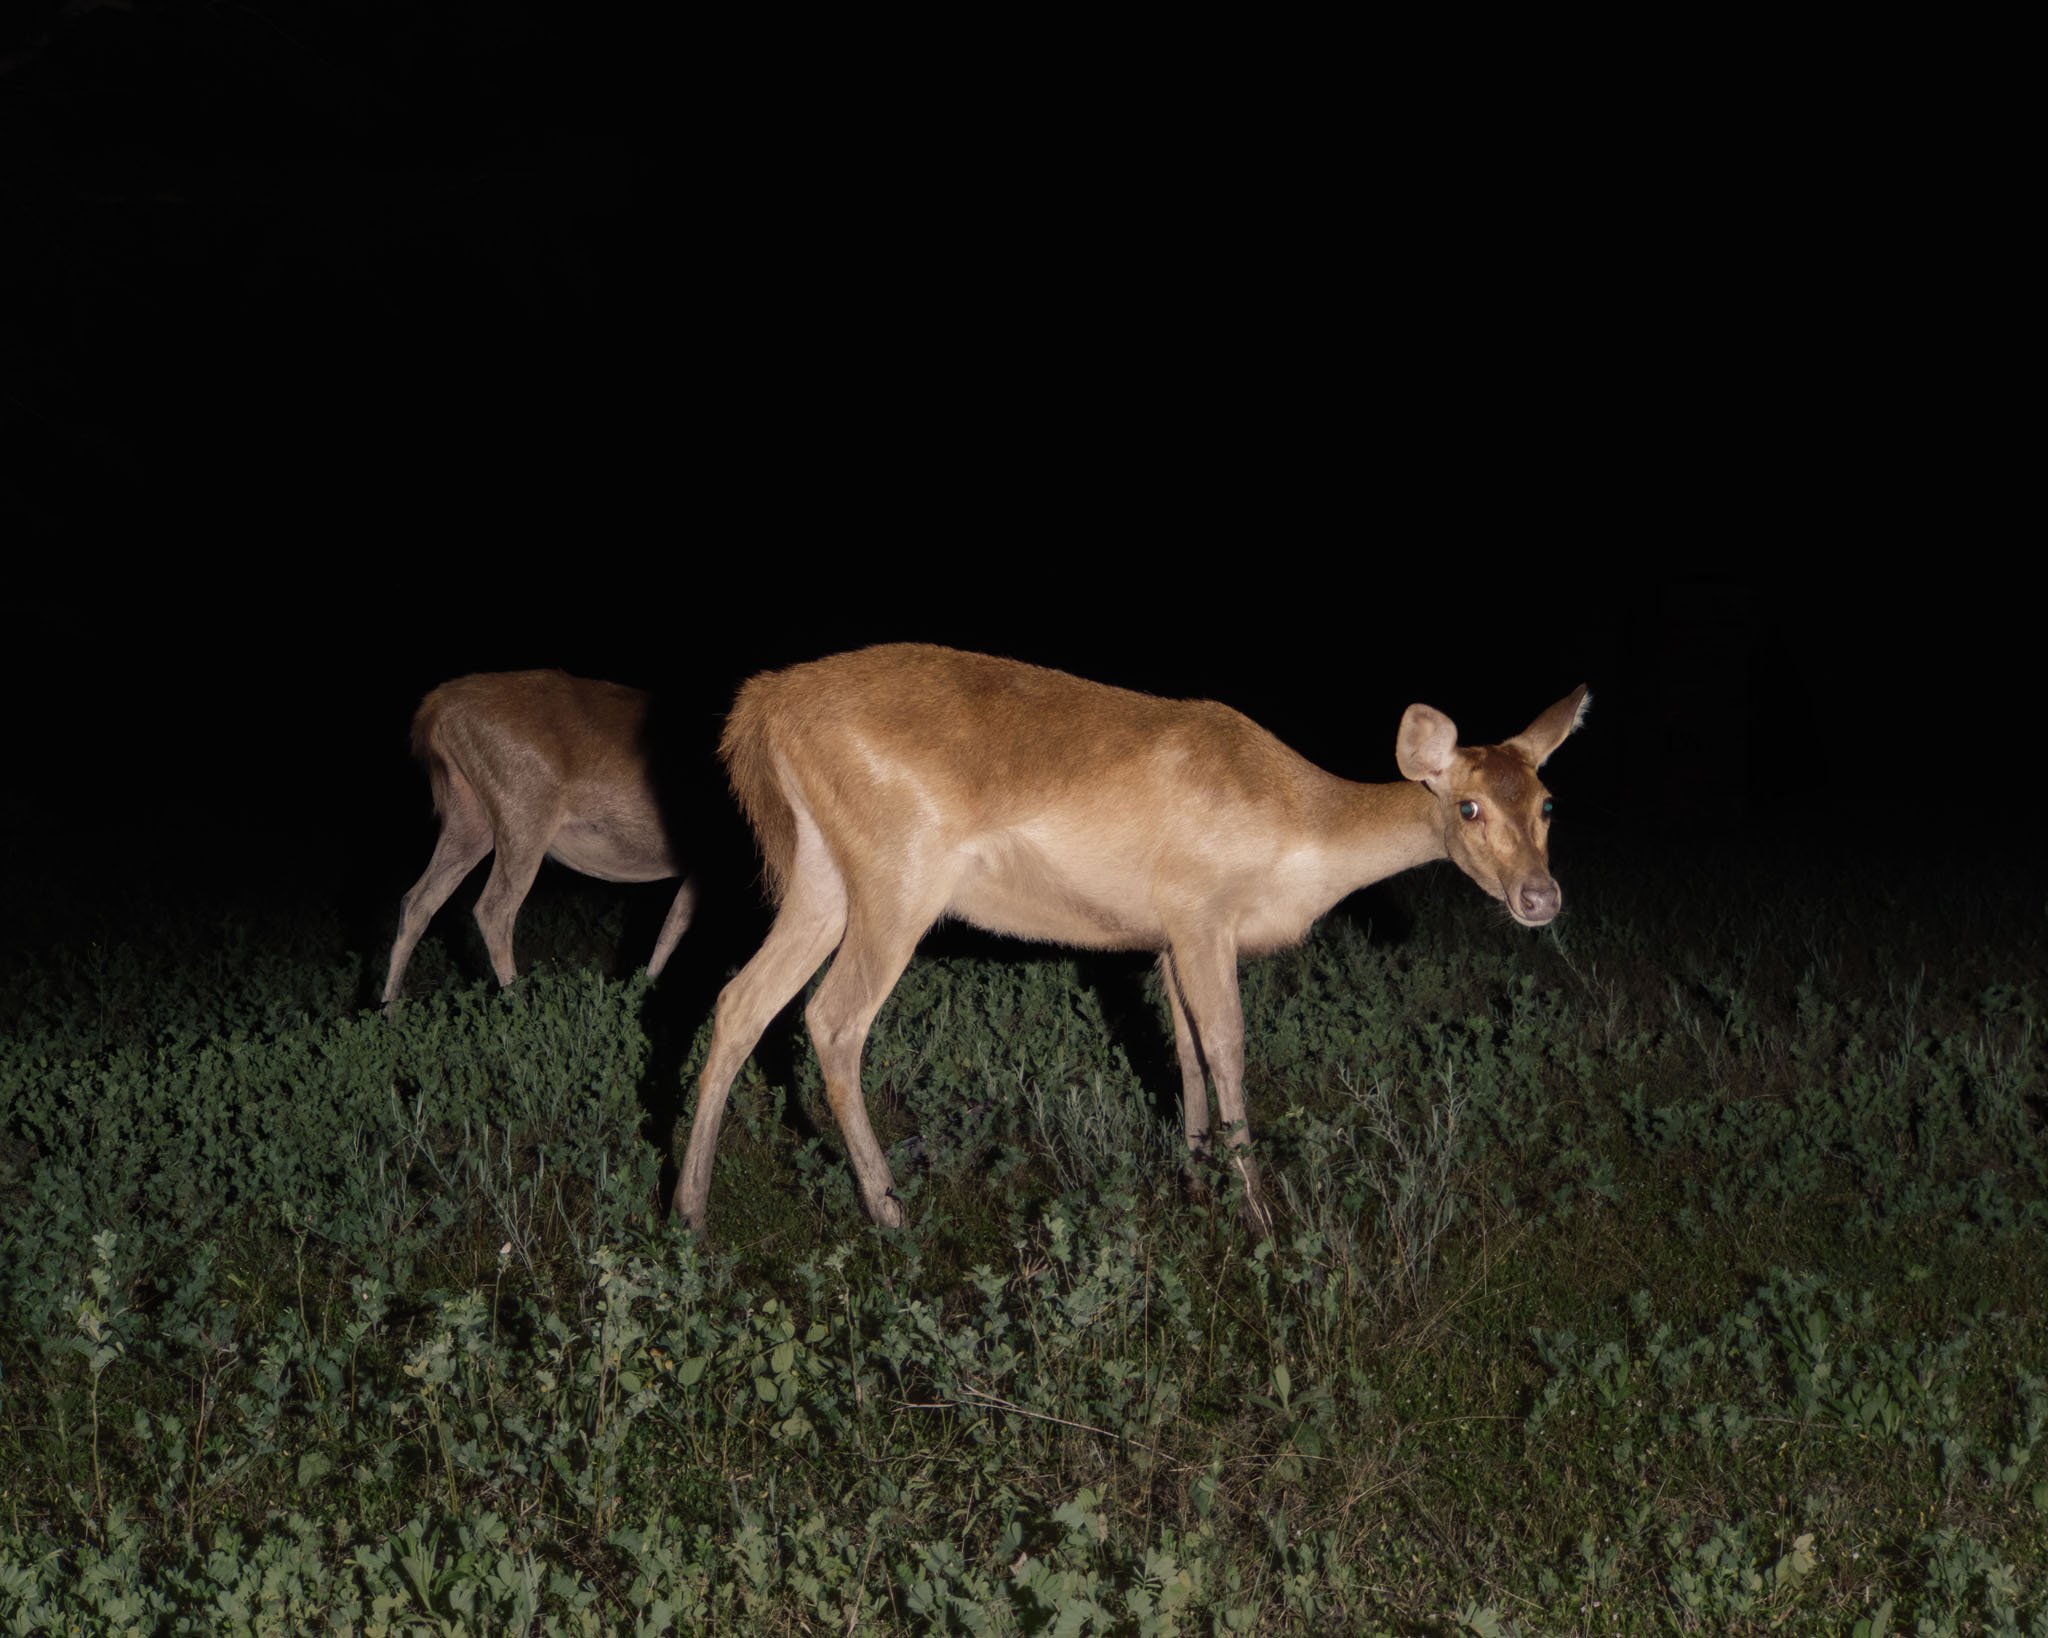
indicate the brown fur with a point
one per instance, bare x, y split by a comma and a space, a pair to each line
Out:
897, 784
750, 766
534, 765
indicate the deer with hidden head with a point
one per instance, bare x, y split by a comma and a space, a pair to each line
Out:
536, 765
895, 785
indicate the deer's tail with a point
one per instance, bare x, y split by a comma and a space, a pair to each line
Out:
750, 766
426, 745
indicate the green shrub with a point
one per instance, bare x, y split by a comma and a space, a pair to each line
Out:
1667, 1272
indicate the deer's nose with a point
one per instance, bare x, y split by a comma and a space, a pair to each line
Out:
1537, 899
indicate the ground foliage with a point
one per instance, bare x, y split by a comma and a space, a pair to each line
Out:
1678, 1270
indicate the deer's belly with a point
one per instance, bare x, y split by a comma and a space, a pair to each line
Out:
1012, 887
1111, 892
613, 853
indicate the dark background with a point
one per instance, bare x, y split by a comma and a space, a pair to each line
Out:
351, 347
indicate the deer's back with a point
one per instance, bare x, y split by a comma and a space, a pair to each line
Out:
526, 727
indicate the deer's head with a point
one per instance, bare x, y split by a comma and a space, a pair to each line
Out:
1493, 809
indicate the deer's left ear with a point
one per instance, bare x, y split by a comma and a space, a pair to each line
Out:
1543, 736
1426, 743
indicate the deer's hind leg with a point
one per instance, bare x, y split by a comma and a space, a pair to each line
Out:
523, 836
883, 925
465, 838
810, 922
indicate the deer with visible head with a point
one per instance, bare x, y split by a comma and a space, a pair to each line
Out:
537, 765
899, 784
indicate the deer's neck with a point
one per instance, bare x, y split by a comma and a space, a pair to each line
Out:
1371, 832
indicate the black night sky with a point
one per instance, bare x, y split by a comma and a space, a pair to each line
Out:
348, 348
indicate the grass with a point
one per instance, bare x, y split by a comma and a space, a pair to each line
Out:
1676, 1271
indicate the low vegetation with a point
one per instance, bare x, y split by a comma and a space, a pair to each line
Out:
1676, 1270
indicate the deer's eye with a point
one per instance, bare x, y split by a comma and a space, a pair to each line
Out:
1468, 810
1548, 805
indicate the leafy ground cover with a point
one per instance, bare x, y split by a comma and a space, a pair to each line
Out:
1679, 1270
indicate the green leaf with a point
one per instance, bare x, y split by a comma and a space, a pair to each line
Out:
1797, 1564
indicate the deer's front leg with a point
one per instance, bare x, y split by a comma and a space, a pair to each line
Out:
1209, 1011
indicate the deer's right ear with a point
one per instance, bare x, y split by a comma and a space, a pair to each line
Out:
1424, 747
